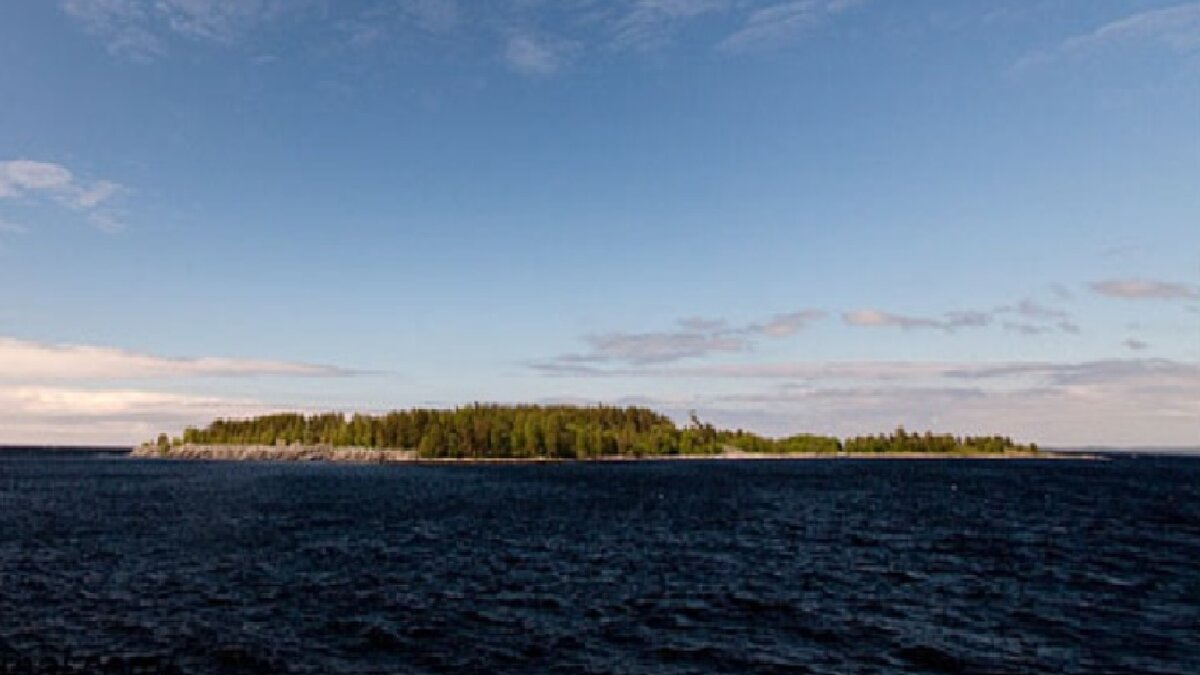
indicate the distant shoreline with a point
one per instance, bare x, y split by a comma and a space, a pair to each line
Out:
361, 455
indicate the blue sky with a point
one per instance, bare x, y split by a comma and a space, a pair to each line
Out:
808, 215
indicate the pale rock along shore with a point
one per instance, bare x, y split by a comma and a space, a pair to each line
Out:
288, 453
361, 455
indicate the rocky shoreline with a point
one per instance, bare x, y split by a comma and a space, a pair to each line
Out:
284, 453
362, 455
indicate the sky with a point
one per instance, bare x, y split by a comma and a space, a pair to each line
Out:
828, 216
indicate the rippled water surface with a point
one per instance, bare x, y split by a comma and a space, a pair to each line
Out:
656, 567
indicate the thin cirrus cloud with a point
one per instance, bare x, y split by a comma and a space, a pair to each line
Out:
123, 25
380, 23
1141, 371
1145, 289
698, 337
1175, 28
138, 28
12, 228
1115, 401
46, 414
145, 30
694, 337
651, 23
434, 16
1135, 402
839, 371
26, 178
1033, 309
950, 322
644, 348
27, 360
874, 318
781, 23
537, 56
1135, 344
76, 402
785, 325
1146, 371
142, 30
1027, 317
68, 394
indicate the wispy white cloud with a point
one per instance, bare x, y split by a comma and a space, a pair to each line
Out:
12, 228
363, 31
39, 414
217, 20
1114, 410
784, 325
1176, 28
1135, 344
1034, 318
874, 318
29, 178
951, 321
650, 23
105, 222
97, 193
1006, 373
838, 371
702, 324
1034, 310
698, 337
695, 337
122, 24
380, 23
1142, 371
1107, 402
435, 16
70, 393
783, 22
144, 30
643, 348
537, 55
1145, 289
1031, 328
75, 402
27, 360
141, 29
1027, 317
19, 176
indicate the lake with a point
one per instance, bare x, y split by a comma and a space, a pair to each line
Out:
874, 566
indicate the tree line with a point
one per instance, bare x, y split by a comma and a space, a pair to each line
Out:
900, 441
483, 431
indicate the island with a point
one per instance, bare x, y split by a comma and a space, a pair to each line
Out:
532, 433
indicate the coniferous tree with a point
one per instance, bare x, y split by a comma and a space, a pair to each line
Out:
483, 431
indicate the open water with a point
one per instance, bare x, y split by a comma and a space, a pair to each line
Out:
653, 567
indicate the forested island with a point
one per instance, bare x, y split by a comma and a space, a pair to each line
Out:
485, 432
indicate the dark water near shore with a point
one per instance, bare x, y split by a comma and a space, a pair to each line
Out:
672, 567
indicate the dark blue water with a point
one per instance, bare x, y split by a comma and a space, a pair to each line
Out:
821, 566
